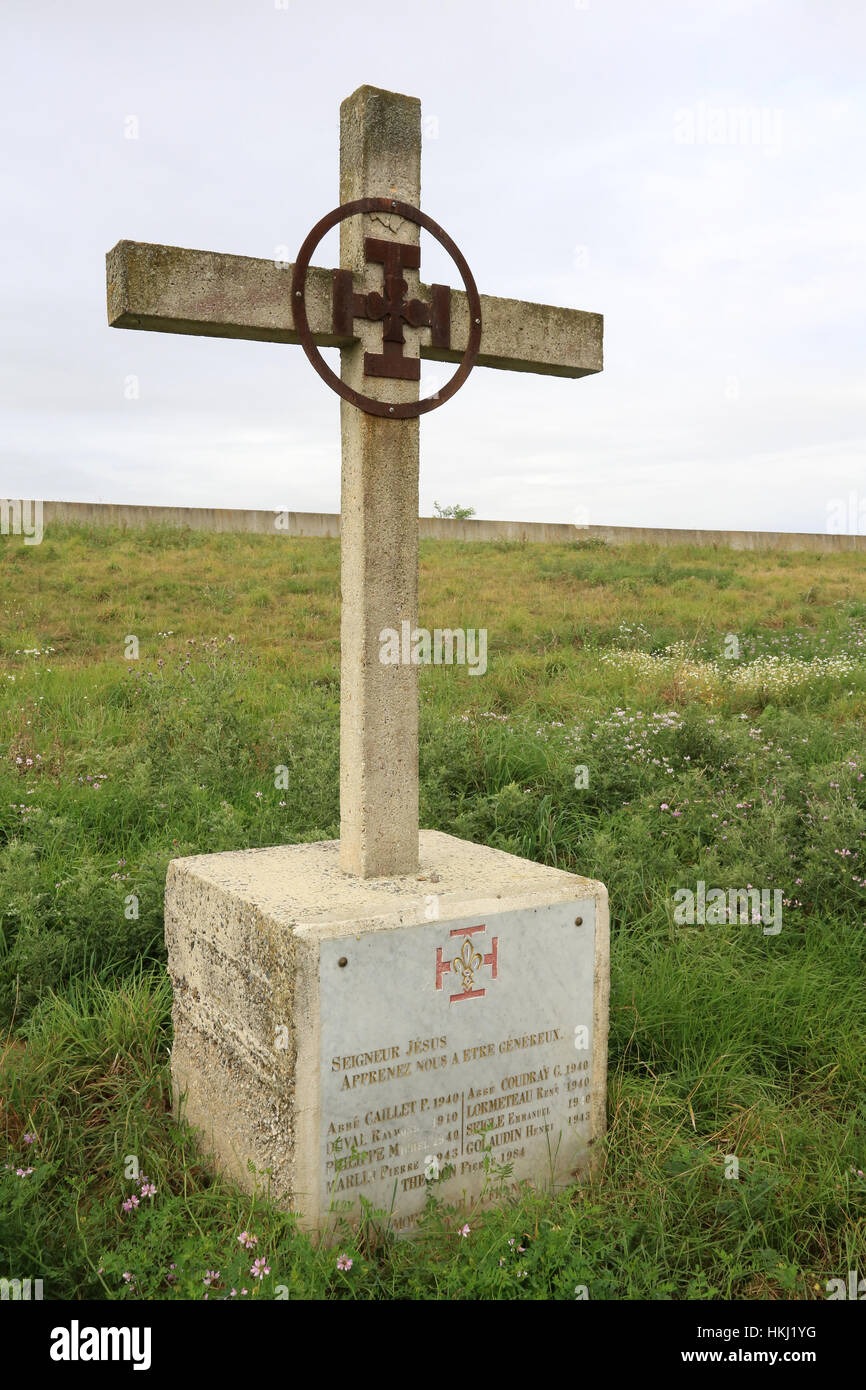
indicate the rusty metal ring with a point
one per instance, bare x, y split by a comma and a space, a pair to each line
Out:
407, 410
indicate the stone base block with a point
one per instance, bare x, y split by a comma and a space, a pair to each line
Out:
351, 1038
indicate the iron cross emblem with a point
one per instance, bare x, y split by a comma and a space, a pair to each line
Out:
391, 306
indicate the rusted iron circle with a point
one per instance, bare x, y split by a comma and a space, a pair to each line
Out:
406, 410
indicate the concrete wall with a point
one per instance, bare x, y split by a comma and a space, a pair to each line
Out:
328, 524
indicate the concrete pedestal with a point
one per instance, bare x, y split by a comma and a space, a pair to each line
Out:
354, 1036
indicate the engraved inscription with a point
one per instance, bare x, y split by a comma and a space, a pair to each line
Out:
498, 1078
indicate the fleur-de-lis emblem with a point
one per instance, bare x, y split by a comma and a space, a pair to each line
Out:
466, 964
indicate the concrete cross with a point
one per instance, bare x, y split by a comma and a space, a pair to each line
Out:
381, 331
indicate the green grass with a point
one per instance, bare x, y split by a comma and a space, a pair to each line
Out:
724, 1041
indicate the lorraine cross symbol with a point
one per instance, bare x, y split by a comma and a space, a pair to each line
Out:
382, 318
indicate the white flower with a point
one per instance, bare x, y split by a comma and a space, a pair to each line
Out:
431, 1168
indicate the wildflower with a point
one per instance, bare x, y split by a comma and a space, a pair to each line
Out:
23, 1172
28, 1138
431, 1168
343, 1262
148, 1189
211, 1276
130, 1278
259, 1268
464, 1231
247, 1240
130, 1203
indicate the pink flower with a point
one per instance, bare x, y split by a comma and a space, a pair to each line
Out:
343, 1262
260, 1269
247, 1240
464, 1231
211, 1276
130, 1203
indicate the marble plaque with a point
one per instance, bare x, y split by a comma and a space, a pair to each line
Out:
441, 1039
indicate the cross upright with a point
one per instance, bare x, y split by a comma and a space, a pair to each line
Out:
383, 319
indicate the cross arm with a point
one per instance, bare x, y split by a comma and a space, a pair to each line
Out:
518, 336
169, 289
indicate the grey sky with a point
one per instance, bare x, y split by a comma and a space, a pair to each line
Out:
694, 171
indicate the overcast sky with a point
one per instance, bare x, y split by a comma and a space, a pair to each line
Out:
692, 169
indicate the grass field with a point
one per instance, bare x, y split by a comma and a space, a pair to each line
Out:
717, 701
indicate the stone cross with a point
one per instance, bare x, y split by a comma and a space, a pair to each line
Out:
381, 331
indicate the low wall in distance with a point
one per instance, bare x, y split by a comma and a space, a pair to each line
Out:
436, 528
